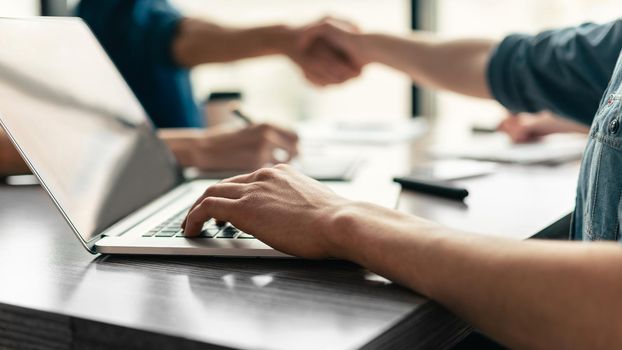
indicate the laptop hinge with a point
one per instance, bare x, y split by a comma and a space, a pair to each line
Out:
135, 218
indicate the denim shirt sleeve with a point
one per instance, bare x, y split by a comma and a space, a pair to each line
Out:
138, 36
565, 71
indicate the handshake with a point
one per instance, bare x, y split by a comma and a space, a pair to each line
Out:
327, 51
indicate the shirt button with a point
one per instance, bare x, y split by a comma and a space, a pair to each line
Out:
614, 125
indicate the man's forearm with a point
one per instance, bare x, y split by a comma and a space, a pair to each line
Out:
525, 294
199, 41
455, 65
11, 162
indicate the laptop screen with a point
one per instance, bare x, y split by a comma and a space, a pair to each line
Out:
78, 124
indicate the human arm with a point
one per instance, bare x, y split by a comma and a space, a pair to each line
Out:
526, 127
223, 149
11, 163
432, 62
565, 71
529, 295
455, 65
200, 41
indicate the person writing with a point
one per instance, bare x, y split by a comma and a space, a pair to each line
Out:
528, 295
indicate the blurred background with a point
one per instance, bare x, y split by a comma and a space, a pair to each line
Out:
275, 90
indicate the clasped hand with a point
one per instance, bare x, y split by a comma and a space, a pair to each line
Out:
326, 51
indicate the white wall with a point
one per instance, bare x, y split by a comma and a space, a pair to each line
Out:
18, 8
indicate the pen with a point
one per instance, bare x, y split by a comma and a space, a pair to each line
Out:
483, 130
432, 187
246, 119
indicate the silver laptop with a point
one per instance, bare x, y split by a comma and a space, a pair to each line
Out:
91, 145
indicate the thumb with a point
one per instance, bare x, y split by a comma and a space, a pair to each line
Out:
344, 25
310, 35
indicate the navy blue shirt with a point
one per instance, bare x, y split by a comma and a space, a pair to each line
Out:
138, 36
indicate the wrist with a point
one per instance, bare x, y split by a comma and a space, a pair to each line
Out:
339, 228
277, 39
363, 44
356, 229
351, 229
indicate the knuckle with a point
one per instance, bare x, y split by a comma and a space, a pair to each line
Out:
267, 135
210, 191
283, 167
264, 174
206, 202
245, 201
252, 199
263, 128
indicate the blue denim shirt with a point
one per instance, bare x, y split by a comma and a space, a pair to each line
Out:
598, 212
575, 72
138, 36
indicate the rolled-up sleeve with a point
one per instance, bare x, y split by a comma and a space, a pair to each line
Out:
565, 71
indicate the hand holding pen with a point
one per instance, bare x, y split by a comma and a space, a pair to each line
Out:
285, 152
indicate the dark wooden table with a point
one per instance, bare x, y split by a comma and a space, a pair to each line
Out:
53, 294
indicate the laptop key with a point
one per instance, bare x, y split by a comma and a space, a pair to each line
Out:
207, 234
203, 234
244, 235
228, 232
172, 229
168, 228
166, 234
150, 233
211, 228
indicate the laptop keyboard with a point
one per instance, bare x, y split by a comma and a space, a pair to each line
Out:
172, 228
